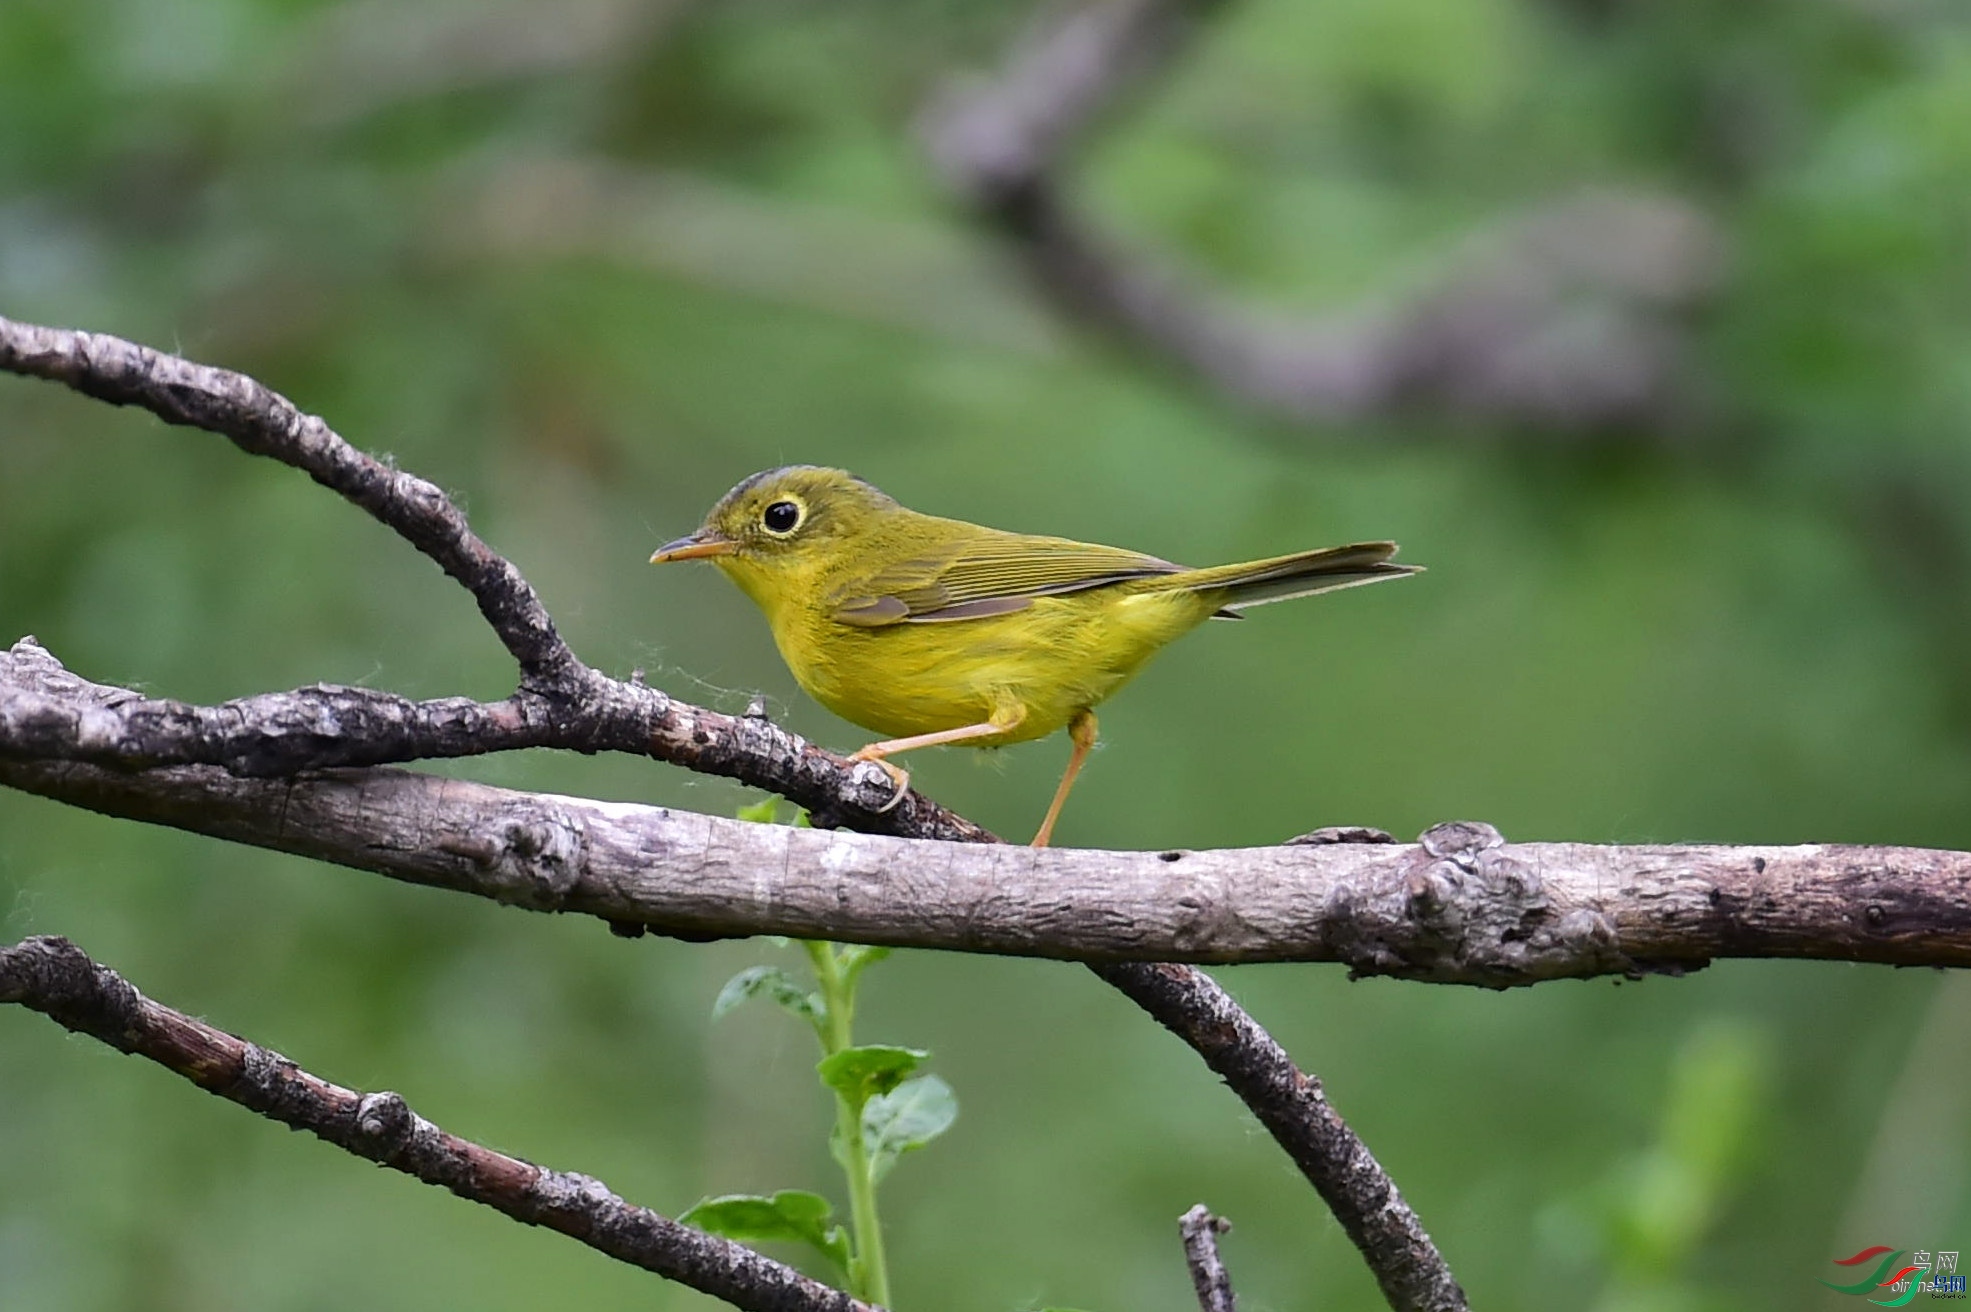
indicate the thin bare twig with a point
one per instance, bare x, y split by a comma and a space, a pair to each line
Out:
262, 422
1568, 321
1209, 1277
53, 976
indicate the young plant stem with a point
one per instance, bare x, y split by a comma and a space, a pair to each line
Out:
869, 1276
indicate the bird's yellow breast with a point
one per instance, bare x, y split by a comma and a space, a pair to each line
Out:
1050, 659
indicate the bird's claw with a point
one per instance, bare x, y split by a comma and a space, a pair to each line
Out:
898, 776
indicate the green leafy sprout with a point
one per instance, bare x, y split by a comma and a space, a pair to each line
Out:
883, 1109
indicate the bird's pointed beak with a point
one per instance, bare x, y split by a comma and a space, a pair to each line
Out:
702, 545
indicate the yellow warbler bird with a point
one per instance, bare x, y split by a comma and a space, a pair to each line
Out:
934, 631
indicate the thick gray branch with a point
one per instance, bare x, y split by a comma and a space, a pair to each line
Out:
1461, 906
53, 976
1570, 321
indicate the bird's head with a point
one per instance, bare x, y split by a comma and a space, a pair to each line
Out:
780, 530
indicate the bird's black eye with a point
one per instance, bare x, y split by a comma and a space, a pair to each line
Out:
781, 517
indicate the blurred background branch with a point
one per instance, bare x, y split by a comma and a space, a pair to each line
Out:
1568, 319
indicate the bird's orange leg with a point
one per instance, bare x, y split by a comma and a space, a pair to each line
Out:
965, 733
1081, 731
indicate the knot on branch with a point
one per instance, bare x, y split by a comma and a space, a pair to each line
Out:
1464, 908
385, 1130
539, 854
384, 1124
1460, 841
526, 856
550, 852
58, 978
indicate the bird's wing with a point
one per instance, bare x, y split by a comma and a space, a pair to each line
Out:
988, 575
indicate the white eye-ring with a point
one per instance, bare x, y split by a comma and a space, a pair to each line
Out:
782, 517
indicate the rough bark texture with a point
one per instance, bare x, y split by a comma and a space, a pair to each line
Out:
1569, 320
53, 976
1209, 1277
1460, 906
49, 714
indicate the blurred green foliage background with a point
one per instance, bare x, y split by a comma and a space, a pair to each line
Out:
586, 264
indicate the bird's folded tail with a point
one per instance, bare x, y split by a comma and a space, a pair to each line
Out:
1256, 582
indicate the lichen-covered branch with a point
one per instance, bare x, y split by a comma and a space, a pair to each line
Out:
53, 976
1568, 319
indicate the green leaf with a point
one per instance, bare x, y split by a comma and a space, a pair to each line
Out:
861, 1073
855, 959
774, 983
908, 1116
791, 1214
761, 812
